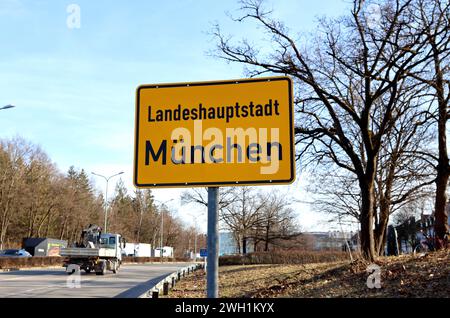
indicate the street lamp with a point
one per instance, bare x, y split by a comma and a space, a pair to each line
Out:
106, 194
7, 106
195, 237
162, 228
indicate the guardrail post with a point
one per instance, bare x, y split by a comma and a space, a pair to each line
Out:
179, 275
155, 294
166, 288
173, 282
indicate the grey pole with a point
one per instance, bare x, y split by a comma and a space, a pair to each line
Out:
106, 195
106, 205
195, 238
162, 229
161, 238
195, 245
212, 273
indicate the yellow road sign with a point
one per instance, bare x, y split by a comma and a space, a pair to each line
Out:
223, 133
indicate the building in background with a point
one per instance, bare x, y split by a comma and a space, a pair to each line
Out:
229, 245
138, 250
331, 241
37, 246
167, 251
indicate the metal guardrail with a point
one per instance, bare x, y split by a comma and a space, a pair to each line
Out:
168, 282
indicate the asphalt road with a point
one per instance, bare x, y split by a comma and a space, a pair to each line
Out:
131, 281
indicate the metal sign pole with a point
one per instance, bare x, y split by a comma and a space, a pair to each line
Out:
212, 266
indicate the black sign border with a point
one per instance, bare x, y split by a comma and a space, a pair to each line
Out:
213, 184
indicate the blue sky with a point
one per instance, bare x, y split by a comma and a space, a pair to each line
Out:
75, 88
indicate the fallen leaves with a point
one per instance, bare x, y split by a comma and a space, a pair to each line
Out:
404, 276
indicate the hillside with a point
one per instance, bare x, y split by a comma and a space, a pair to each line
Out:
403, 276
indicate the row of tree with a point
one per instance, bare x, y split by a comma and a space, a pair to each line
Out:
37, 200
372, 104
265, 220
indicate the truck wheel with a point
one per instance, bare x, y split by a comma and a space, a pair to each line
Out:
115, 267
102, 269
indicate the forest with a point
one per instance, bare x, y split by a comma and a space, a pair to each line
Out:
38, 200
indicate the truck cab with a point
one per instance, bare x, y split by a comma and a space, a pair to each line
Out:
111, 245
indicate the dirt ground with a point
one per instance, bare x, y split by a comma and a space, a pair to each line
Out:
403, 276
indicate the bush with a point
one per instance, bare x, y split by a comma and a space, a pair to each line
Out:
283, 257
24, 262
38, 261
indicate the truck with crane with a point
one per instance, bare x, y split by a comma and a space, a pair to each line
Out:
95, 251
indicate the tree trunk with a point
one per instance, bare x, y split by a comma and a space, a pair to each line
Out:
63, 229
1, 240
440, 212
139, 228
443, 167
4, 224
47, 230
367, 235
381, 227
443, 170
266, 246
244, 245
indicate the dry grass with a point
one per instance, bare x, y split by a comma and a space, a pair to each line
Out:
403, 276
284, 257
28, 262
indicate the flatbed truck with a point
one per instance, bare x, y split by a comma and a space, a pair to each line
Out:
97, 252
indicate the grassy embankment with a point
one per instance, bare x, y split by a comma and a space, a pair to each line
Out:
403, 276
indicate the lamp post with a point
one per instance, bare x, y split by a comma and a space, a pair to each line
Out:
106, 194
195, 235
162, 229
7, 107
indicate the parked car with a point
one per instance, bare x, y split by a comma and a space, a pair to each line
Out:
15, 253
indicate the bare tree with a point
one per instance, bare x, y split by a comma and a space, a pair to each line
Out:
36, 199
243, 215
434, 17
143, 205
350, 70
276, 221
402, 176
200, 196
12, 155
